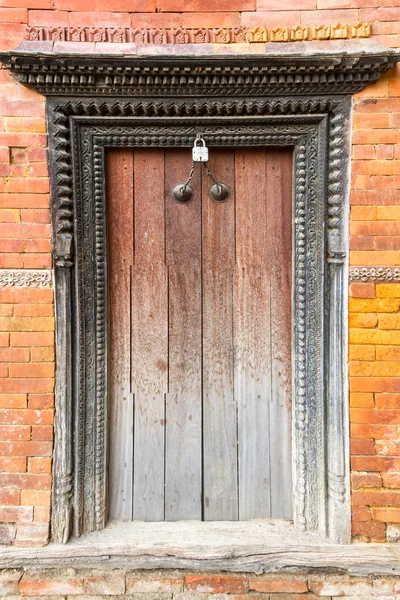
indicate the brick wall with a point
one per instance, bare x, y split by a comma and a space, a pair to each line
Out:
26, 315
69, 584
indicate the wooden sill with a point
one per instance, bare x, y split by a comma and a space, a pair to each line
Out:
252, 546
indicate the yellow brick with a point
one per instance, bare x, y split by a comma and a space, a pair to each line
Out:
26, 324
362, 400
374, 336
388, 213
363, 213
363, 320
387, 290
389, 321
375, 258
373, 305
387, 353
374, 369
361, 352
6, 310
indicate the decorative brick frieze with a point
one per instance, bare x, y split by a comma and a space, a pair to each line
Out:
229, 35
374, 274
25, 278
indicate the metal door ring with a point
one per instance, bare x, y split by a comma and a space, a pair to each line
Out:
219, 192
182, 193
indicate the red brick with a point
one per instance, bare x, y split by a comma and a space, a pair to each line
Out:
12, 514
290, 5
361, 446
374, 197
160, 19
11, 245
375, 463
371, 416
40, 401
387, 242
388, 448
361, 513
51, 587
28, 416
26, 296
219, 19
387, 400
215, 584
391, 480
35, 216
24, 200
318, 17
33, 310
38, 185
369, 531
16, 449
37, 261
139, 584
383, 432
9, 497
31, 370
32, 534
362, 290
35, 497
41, 514
105, 584
270, 19
18, 355
278, 585
32, 339
12, 465
140, 6
13, 15
39, 465
36, 154
388, 515
30, 481
24, 230
365, 480
42, 354
42, 432
204, 5
15, 432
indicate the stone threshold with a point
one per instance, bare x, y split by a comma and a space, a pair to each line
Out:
251, 547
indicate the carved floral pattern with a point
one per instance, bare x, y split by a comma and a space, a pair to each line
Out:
25, 278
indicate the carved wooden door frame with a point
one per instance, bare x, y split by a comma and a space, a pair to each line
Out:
246, 101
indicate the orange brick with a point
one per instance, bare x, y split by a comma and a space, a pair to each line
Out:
365, 480
371, 416
12, 465
387, 290
375, 463
380, 305
35, 498
389, 321
32, 339
366, 431
363, 213
31, 370
33, 310
39, 465
15, 432
361, 352
362, 446
9, 497
367, 320
40, 401
387, 447
13, 401
388, 213
387, 400
369, 531
391, 480
4, 339
213, 584
387, 515
362, 400
374, 369
31, 124
42, 432
26, 417
275, 584
384, 151
18, 355
41, 514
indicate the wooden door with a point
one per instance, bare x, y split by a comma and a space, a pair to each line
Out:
200, 337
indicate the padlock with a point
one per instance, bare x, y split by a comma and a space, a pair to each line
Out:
200, 153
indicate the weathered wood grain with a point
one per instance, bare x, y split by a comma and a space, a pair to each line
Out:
119, 177
219, 407
149, 335
279, 259
252, 335
183, 469
251, 547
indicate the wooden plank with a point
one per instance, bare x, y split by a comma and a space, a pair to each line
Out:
183, 483
279, 252
119, 177
219, 408
149, 336
252, 335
